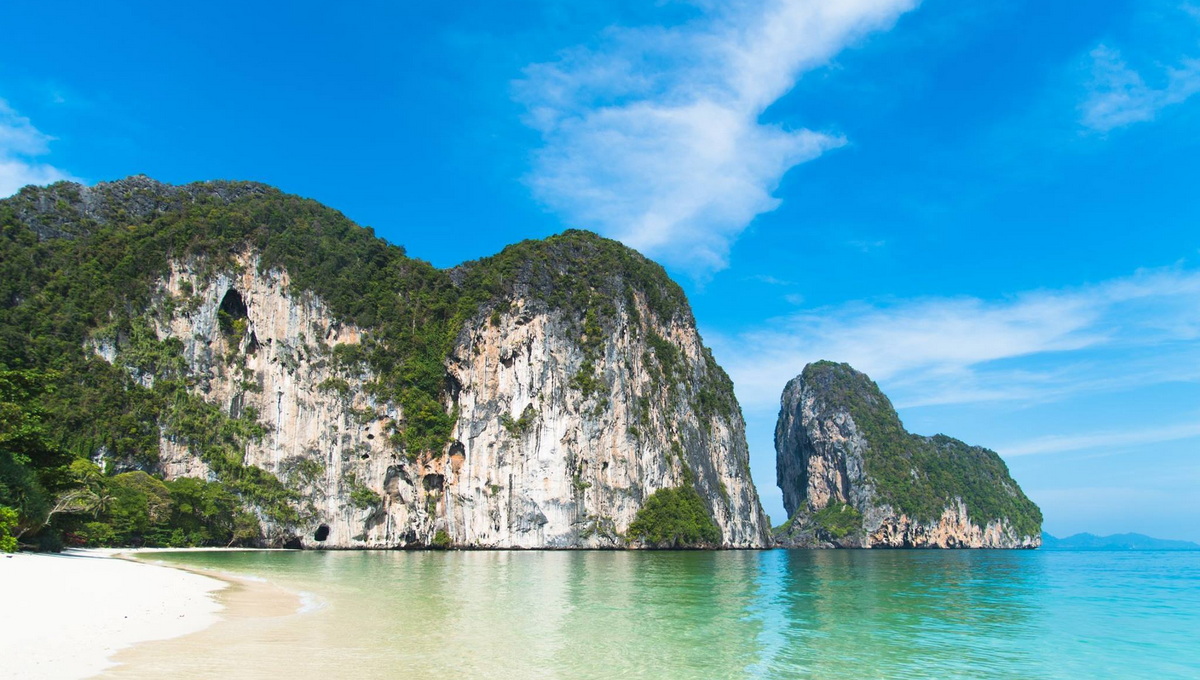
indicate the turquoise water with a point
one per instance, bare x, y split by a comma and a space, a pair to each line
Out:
772, 614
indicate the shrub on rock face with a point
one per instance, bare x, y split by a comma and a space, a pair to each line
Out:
674, 518
838, 520
441, 540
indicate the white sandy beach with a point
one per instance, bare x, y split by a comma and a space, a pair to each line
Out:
64, 616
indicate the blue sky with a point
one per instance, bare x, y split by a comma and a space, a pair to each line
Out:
989, 209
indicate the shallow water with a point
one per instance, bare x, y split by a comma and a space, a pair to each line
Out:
772, 614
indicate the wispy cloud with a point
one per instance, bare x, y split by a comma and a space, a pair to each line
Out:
772, 280
1110, 439
867, 246
1119, 95
20, 144
1033, 346
654, 138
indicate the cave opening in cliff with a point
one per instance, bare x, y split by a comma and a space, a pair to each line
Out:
231, 315
322, 533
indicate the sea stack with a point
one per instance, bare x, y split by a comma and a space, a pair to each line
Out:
853, 477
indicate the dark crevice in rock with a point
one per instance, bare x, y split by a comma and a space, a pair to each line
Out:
233, 304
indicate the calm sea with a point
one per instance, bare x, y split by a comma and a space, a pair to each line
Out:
772, 614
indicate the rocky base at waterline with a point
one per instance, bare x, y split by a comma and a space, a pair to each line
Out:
853, 477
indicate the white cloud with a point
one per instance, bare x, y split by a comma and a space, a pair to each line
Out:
867, 246
1034, 346
20, 144
1111, 439
655, 138
772, 280
1119, 95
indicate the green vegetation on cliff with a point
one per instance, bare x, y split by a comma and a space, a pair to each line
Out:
674, 518
838, 520
918, 475
574, 272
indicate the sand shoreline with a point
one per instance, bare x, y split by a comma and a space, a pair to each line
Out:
84, 613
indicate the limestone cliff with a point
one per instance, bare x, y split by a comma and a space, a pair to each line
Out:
534, 399
851, 475
573, 411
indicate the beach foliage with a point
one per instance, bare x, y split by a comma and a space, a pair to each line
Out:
32, 467
137, 509
675, 518
8, 524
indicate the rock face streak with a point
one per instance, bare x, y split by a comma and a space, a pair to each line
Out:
824, 460
534, 462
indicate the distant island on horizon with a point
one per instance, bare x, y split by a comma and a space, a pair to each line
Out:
1086, 541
